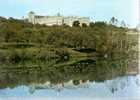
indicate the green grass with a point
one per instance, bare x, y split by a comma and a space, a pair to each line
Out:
38, 53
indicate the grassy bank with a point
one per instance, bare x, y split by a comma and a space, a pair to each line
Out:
15, 55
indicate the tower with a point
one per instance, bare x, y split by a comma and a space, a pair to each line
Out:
138, 26
31, 17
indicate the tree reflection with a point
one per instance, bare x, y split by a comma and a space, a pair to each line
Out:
59, 75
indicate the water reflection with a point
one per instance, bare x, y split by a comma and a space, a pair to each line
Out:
69, 78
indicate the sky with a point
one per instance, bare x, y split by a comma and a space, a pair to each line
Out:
97, 10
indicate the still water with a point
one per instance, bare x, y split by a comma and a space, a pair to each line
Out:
84, 78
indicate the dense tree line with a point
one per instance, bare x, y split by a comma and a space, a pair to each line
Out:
106, 39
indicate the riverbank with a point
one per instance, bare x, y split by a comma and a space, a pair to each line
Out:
15, 55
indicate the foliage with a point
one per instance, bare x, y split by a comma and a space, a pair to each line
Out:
106, 39
76, 23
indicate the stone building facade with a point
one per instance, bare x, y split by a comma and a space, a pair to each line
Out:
56, 20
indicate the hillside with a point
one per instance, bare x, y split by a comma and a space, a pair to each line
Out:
20, 40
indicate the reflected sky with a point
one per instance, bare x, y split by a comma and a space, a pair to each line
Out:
124, 87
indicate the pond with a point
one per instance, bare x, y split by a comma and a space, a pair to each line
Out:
84, 79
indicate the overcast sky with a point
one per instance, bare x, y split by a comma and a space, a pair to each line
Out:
97, 10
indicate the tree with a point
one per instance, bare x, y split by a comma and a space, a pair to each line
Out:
2, 19
76, 23
91, 24
9, 35
113, 21
84, 25
100, 24
123, 24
